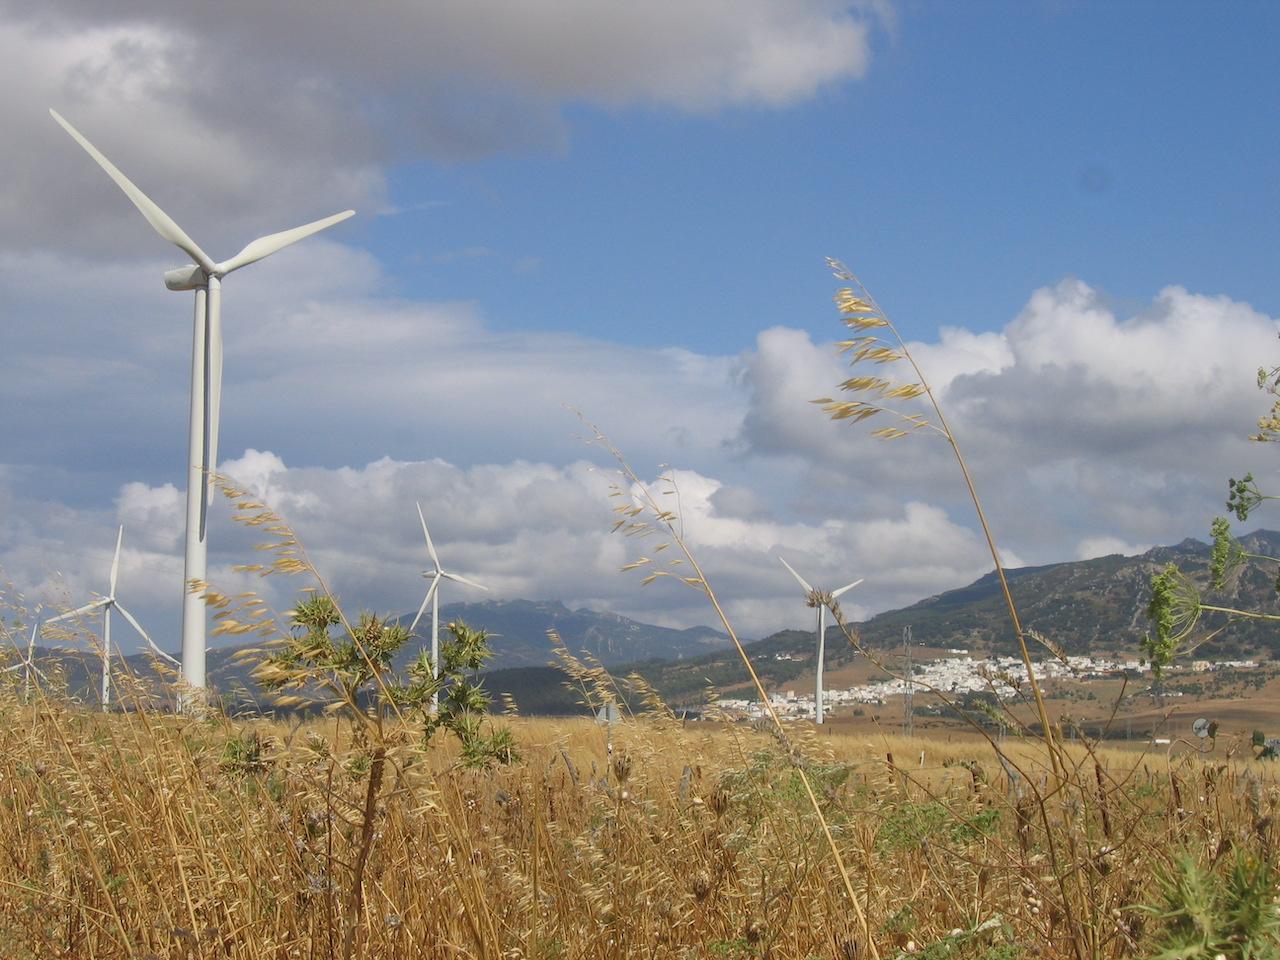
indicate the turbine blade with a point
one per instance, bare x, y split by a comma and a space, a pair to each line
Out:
846, 588
115, 563
426, 602
801, 580
160, 221
145, 636
79, 611
265, 246
459, 578
431, 547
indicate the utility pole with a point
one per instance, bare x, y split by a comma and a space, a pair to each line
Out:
908, 698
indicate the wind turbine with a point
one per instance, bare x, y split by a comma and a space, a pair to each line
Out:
433, 598
205, 278
815, 599
27, 664
105, 604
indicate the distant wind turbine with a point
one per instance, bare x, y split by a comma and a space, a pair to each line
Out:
205, 278
433, 598
812, 595
105, 604
27, 664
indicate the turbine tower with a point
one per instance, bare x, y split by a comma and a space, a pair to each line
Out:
433, 598
106, 604
205, 278
815, 599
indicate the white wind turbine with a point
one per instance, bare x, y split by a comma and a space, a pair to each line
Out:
433, 598
106, 604
205, 278
27, 664
822, 631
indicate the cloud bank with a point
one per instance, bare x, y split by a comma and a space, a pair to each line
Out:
274, 114
1088, 432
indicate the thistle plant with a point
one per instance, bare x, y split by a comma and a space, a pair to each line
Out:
355, 669
1229, 913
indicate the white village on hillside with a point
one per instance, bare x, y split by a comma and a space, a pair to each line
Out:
958, 674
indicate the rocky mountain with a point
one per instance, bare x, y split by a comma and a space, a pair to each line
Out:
518, 633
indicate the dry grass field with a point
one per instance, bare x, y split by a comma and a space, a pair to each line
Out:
143, 834
140, 835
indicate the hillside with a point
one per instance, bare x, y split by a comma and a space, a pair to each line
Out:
1083, 606
518, 633
518, 637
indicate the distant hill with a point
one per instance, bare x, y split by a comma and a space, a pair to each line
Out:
1083, 606
518, 633
518, 638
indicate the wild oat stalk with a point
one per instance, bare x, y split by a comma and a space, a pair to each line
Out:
865, 317
639, 501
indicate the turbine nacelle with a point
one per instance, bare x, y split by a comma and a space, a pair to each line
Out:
193, 275
190, 277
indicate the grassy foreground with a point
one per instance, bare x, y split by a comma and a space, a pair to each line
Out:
147, 835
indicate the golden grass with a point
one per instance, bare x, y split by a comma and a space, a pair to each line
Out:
138, 835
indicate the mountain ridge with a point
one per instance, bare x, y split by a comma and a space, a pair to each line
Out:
1082, 606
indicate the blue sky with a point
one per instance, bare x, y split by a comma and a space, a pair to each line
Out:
990, 149
1069, 208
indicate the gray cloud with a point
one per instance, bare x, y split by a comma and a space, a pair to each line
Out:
1076, 423
273, 114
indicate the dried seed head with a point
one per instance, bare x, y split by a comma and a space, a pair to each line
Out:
701, 884
719, 801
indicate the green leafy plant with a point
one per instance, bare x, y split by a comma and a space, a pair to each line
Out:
356, 668
323, 658
244, 755
464, 704
1229, 913
1262, 749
